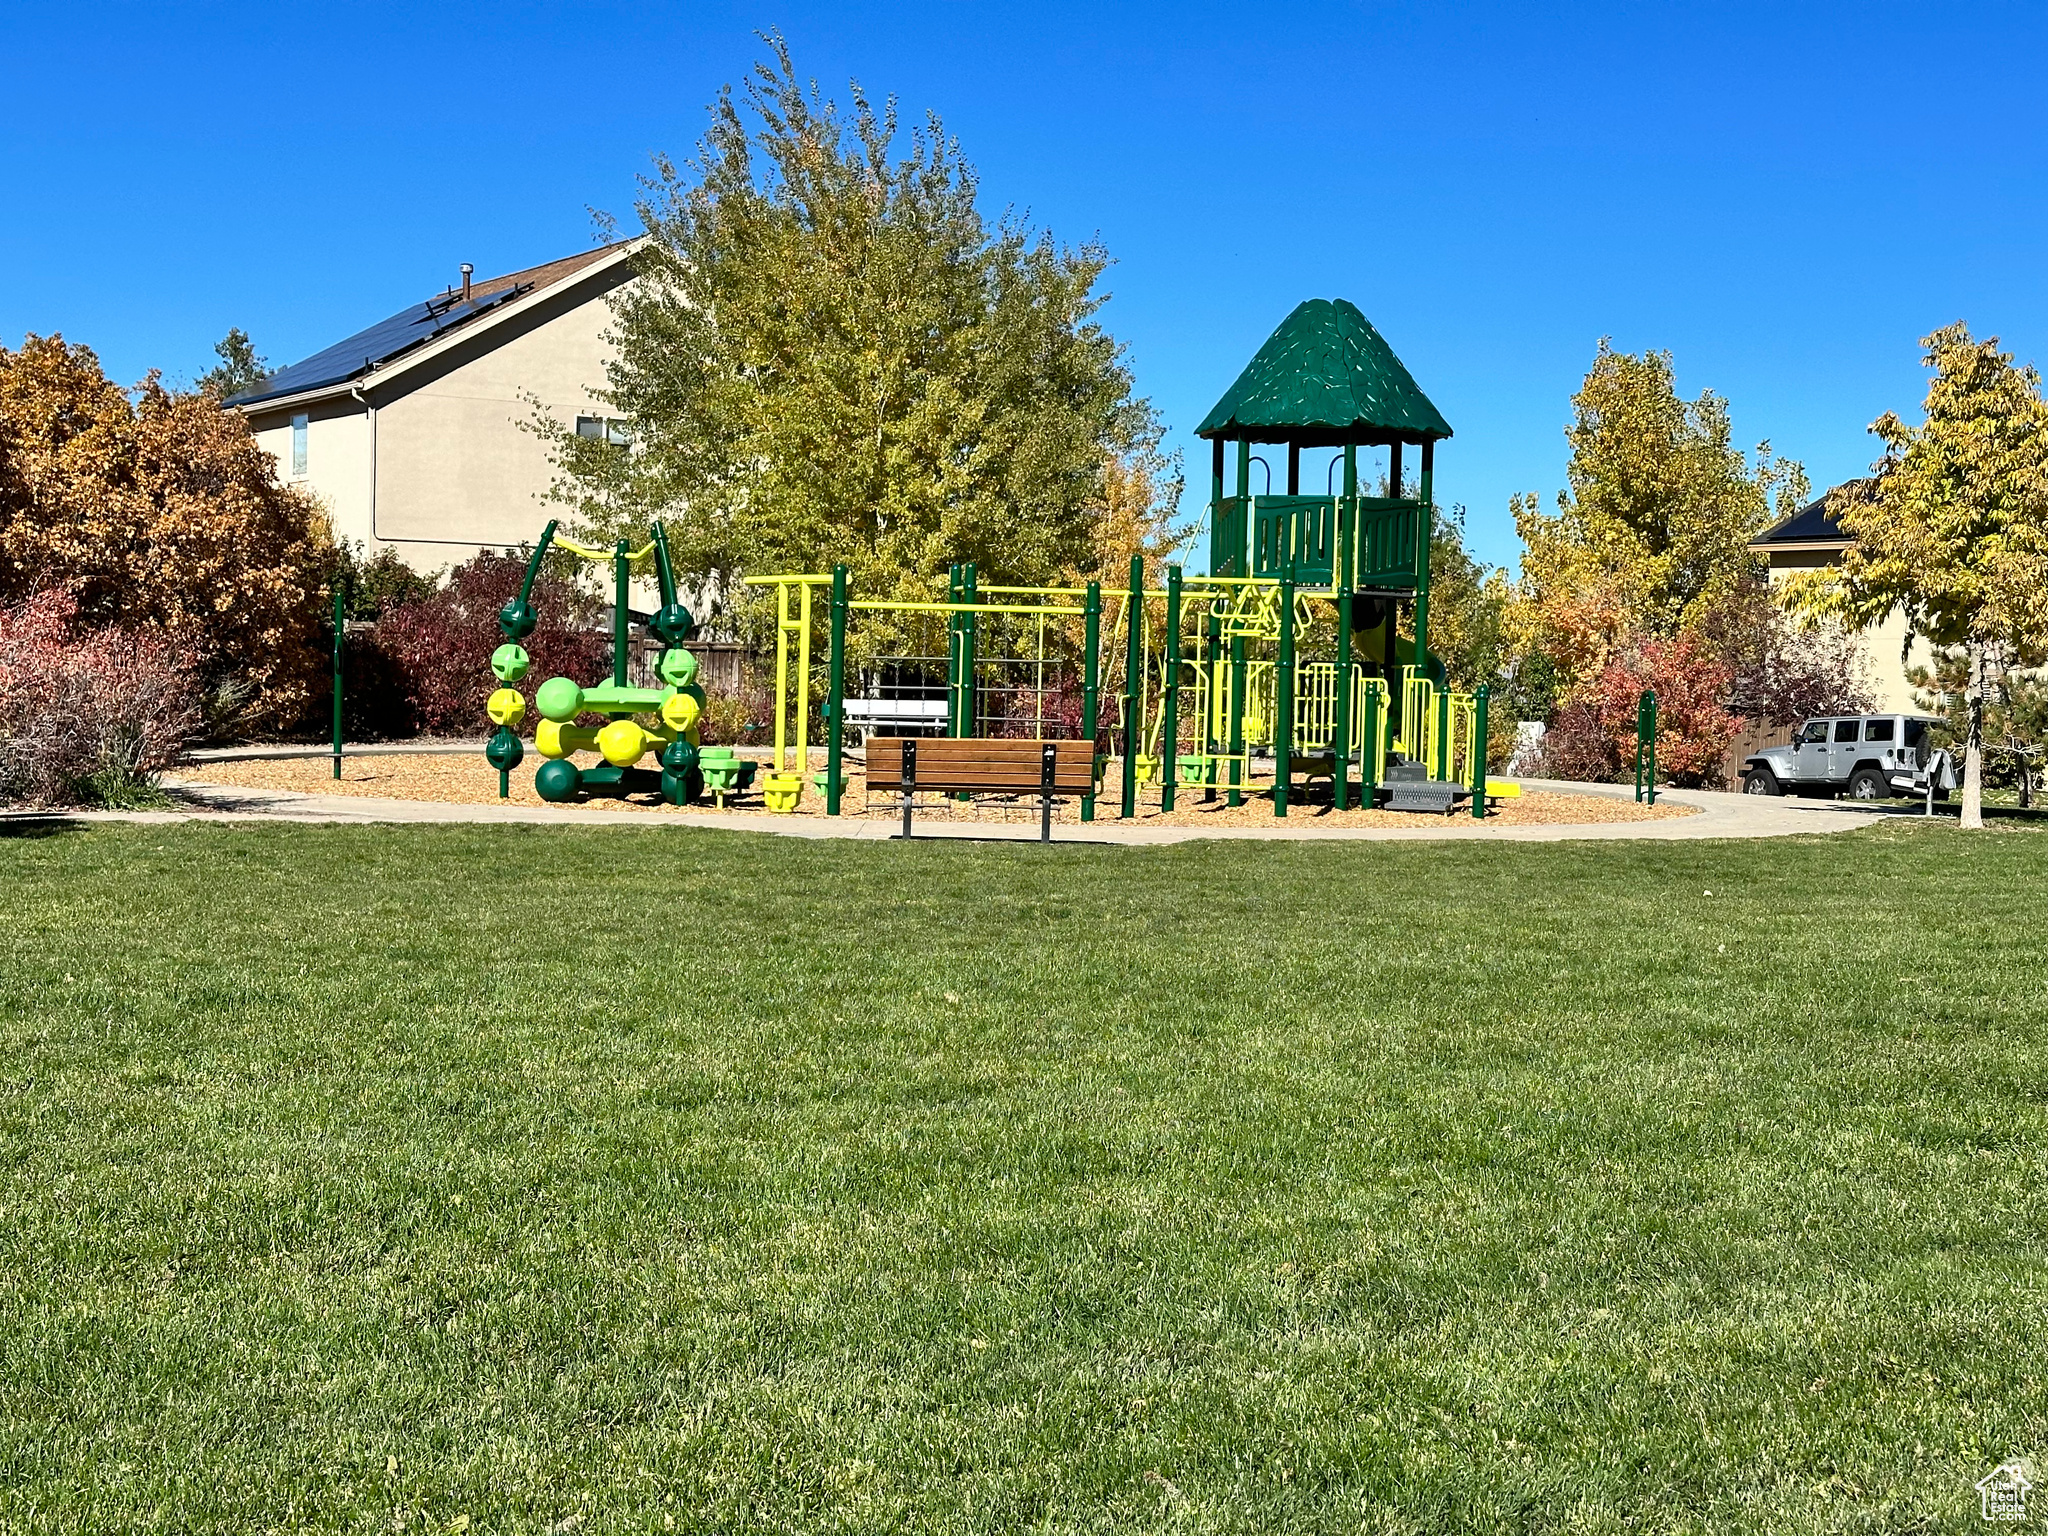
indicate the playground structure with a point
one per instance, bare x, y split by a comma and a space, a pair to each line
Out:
638, 720
1285, 656
1284, 663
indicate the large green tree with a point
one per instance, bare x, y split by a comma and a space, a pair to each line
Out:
239, 367
1953, 530
830, 355
1653, 533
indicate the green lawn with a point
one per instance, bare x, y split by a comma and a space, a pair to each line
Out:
515, 1179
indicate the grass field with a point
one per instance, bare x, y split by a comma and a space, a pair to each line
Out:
441, 1179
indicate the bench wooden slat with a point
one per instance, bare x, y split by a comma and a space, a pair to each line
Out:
953, 764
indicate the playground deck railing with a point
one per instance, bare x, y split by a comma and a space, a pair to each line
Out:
1301, 537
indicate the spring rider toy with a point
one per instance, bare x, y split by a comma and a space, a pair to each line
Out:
627, 735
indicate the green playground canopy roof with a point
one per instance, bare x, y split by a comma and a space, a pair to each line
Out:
1325, 378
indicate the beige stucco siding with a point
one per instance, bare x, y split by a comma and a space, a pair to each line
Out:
452, 459
337, 460
1882, 642
428, 455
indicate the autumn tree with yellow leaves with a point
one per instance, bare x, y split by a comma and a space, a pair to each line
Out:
1953, 529
1653, 534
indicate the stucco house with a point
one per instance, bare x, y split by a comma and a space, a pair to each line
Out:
1811, 538
410, 431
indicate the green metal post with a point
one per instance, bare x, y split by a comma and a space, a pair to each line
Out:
835, 697
622, 574
1650, 780
1091, 681
1169, 735
1216, 509
1479, 754
340, 630
952, 653
1646, 748
1283, 698
970, 702
1425, 525
1340, 580
1236, 719
1212, 655
1134, 663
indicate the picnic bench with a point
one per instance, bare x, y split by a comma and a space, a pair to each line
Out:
973, 765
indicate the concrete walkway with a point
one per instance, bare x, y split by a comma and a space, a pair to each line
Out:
1719, 816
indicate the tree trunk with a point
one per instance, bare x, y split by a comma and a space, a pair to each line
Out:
1973, 744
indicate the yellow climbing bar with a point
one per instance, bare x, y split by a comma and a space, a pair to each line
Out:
589, 553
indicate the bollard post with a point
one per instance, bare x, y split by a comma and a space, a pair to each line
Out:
1479, 753
340, 629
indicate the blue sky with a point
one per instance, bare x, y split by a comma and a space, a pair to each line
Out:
1785, 197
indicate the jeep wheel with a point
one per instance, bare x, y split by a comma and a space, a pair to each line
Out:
1868, 784
1760, 781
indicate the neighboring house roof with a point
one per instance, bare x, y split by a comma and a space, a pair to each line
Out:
1813, 526
336, 367
1325, 377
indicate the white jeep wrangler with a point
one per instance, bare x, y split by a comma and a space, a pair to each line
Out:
1869, 757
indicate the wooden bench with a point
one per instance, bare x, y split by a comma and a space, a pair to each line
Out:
952, 765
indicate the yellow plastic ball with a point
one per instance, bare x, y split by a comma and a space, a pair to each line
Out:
505, 707
622, 743
679, 712
547, 739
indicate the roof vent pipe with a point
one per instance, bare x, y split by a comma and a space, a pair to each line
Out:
466, 270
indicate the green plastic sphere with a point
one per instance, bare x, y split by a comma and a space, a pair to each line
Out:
695, 691
673, 623
559, 700
675, 787
517, 619
557, 780
678, 667
510, 661
505, 750
679, 755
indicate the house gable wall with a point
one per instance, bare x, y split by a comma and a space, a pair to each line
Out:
455, 469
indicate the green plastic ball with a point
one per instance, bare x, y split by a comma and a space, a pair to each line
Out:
678, 667
679, 755
557, 780
517, 619
673, 623
510, 661
695, 691
505, 750
559, 699
675, 787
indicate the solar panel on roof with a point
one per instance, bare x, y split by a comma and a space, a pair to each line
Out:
383, 341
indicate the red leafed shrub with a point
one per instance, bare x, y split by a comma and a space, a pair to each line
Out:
86, 714
1593, 737
426, 667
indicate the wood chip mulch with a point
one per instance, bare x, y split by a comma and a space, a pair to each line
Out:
468, 780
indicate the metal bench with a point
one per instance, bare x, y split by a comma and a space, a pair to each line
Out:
1048, 769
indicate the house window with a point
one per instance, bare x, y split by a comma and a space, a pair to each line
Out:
299, 446
606, 429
